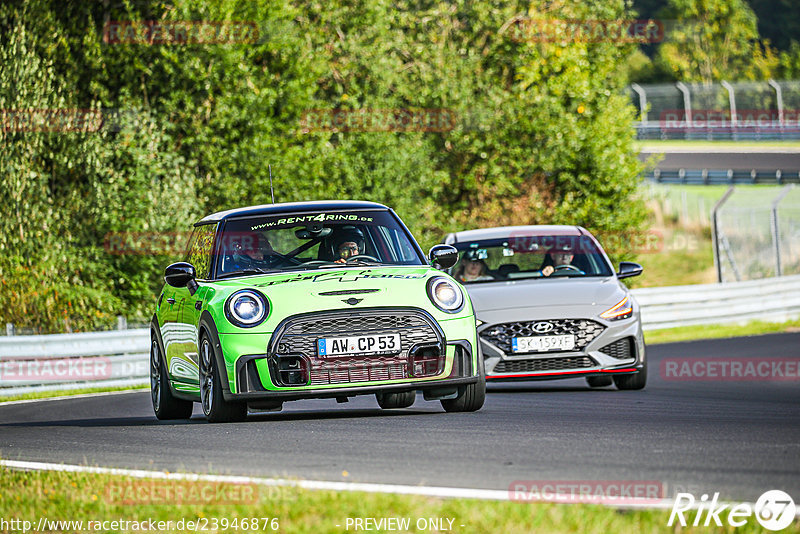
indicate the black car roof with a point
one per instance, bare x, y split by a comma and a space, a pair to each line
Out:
291, 207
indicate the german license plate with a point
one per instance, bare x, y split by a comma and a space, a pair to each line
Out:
331, 347
543, 343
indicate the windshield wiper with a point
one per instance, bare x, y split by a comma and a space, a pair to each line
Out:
245, 271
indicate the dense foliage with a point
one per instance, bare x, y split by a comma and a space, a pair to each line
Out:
713, 40
540, 131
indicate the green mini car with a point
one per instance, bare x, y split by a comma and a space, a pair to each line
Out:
311, 300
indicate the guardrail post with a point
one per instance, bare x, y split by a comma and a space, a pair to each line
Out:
715, 231
776, 234
122, 323
779, 99
687, 106
9, 329
732, 104
642, 102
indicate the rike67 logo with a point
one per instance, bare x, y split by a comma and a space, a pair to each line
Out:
774, 510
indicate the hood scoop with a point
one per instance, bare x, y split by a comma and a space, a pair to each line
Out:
347, 292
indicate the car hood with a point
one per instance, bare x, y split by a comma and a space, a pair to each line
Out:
490, 296
331, 288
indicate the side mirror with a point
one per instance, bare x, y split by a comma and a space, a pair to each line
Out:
181, 274
443, 256
628, 269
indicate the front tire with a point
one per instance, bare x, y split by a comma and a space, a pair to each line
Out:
470, 399
165, 405
215, 407
388, 401
634, 381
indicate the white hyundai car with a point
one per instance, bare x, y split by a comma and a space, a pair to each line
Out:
550, 305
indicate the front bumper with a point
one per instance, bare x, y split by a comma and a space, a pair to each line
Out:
602, 348
434, 356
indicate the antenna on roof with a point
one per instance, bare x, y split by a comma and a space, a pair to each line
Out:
271, 192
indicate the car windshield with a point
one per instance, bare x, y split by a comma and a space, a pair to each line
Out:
519, 257
307, 241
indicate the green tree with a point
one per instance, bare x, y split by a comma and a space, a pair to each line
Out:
542, 131
70, 186
714, 40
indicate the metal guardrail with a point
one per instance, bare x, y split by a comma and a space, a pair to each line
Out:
121, 357
770, 299
74, 361
742, 111
723, 176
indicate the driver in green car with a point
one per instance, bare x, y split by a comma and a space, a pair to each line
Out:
350, 243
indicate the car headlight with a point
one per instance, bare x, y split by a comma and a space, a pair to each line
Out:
246, 308
445, 295
621, 310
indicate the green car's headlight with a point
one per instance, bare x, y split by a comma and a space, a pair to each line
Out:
445, 295
246, 308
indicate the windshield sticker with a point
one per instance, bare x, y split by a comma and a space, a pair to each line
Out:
321, 217
341, 277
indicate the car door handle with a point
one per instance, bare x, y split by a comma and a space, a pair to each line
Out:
171, 300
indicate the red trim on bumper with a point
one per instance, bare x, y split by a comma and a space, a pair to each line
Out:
489, 377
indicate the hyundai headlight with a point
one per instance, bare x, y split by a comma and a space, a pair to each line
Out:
246, 308
621, 310
445, 294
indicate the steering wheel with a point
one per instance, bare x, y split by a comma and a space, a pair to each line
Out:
568, 267
363, 257
275, 257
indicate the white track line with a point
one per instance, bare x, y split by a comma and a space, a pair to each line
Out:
399, 489
78, 396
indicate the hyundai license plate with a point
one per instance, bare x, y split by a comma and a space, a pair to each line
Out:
543, 343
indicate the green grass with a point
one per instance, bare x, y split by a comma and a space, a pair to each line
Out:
67, 392
31, 495
684, 258
691, 333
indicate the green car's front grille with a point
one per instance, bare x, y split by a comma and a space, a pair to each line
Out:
298, 335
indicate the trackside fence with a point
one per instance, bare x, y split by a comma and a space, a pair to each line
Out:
121, 357
769, 299
74, 361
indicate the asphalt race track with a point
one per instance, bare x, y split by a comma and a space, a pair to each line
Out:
704, 159
738, 438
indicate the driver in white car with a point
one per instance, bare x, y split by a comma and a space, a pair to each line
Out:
561, 257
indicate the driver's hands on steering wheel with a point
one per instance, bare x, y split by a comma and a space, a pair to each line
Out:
358, 257
547, 271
